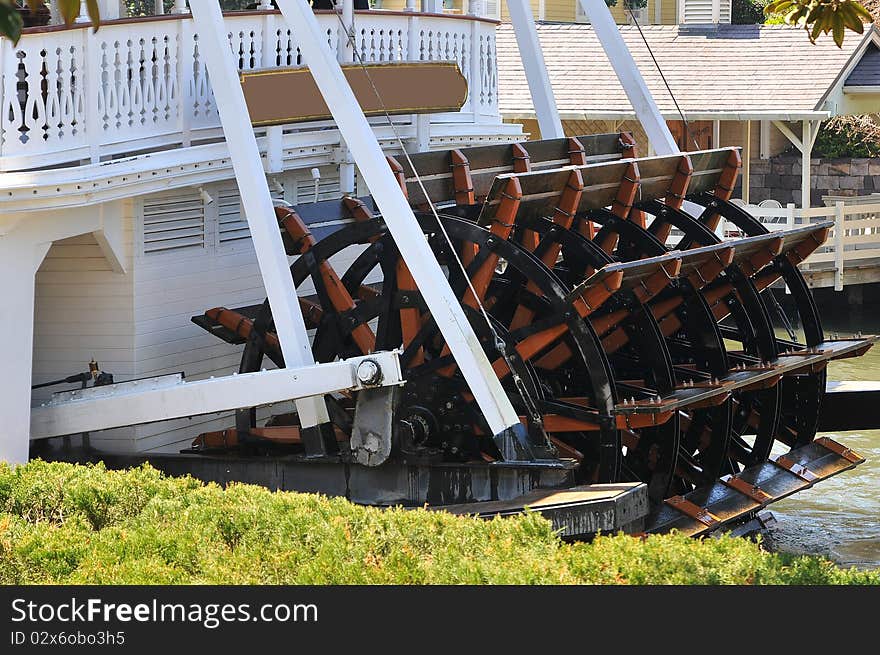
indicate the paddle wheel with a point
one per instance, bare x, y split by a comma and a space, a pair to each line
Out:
635, 344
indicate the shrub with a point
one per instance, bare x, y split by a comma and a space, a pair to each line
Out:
747, 12
69, 524
848, 136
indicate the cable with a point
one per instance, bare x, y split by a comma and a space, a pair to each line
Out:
499, 342
687, 125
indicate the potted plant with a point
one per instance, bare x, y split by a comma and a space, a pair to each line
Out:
33, 17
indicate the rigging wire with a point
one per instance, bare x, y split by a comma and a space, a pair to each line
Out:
687, 125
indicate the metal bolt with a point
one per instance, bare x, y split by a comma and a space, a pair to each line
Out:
368, 372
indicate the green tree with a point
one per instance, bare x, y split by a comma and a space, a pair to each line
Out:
822, 16
11, 21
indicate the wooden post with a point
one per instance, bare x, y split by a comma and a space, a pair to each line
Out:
839, 233
747, 159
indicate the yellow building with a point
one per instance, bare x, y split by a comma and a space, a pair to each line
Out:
657, 12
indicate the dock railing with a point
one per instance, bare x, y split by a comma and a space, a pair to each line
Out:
854, 238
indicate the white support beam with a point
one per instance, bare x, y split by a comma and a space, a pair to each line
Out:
782, 127
804, 144
398, 215
631, 79
532, 58
168, 397
716, 134
20, 257
255, 198
764, 141
806, 151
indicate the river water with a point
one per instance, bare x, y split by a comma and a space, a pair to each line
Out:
840, 517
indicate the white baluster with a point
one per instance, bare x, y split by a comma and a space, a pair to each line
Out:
180, 7
83, 13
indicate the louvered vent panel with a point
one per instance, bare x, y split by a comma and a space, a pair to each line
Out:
231, 222
174, 222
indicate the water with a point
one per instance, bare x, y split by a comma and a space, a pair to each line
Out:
840, 517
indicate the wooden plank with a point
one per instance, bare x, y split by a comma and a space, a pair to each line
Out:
290, 95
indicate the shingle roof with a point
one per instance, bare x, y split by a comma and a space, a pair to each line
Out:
867, 71
730, 69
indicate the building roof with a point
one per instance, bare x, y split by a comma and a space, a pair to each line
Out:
725, 71
867, 71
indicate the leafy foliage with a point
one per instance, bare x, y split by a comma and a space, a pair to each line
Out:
848, 136
822, 16
747, 12
11, 20
68, 524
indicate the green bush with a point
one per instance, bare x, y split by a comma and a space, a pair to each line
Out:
848, 136
747, 12
63, 523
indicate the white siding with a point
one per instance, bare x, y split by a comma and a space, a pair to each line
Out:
171, 286
186, 252
82, 309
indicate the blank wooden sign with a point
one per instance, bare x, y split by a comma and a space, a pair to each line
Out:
290, 95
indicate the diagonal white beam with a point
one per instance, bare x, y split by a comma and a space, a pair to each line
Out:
782, 127
255, 198
532, 58
445, 307
631, 79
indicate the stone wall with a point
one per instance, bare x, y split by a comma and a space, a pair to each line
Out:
779, 178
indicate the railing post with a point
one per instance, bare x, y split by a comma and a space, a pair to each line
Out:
838, 244
789, 225
185, 57
476, 81
789, 216
421, 122
274, 133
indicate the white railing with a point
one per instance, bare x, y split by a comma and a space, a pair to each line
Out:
74, 95
854, 238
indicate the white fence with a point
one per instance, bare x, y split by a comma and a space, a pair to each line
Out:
854, 238
70, 94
